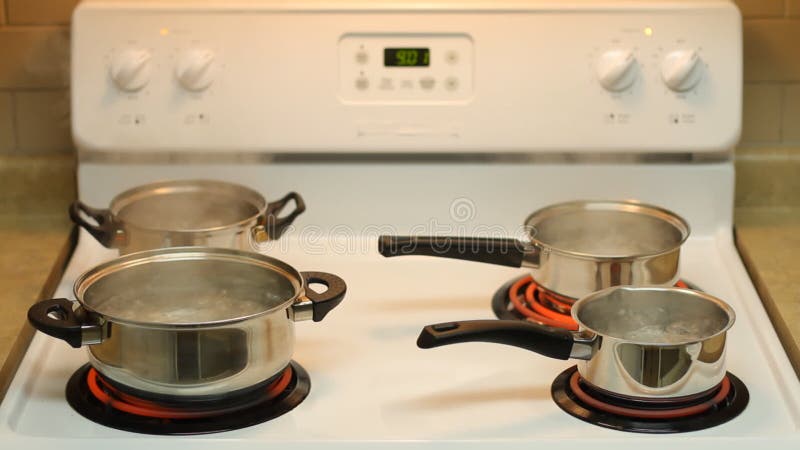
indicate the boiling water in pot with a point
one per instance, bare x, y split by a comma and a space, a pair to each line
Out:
193, 210
656, 316
188, 291
607, 233
670, 333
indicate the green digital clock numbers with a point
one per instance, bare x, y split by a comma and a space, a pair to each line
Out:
406, 57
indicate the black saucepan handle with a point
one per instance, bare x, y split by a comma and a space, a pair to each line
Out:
547, 341
323, 303
277, 225
57, 318
500, 251
105, 229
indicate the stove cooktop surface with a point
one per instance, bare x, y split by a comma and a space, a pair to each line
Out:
372, 385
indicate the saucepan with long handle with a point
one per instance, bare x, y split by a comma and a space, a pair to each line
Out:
573, 248
643, 342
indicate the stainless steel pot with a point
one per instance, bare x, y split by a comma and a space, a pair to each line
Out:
188, 321
574, 248
643, 342
187, 213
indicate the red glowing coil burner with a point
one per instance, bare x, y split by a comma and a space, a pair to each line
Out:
641, 413
543, 306
120, 401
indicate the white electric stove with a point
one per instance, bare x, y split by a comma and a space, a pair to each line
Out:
531, 103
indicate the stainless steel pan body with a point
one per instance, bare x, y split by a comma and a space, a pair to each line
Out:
181, 213
188, 321
642, 342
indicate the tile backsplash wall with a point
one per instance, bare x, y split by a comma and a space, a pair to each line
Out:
771, 73
34, 77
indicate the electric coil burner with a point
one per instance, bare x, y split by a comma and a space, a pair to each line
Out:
524, 299
705, 410
115, 406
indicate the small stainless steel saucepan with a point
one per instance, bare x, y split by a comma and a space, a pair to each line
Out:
181, 213
643, 342
189, 321
574, 248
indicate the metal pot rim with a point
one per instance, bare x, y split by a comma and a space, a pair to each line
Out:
608, 205
129, 196
83, 282
595, 296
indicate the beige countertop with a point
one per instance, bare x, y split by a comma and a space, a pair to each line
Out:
769, 242
33, 248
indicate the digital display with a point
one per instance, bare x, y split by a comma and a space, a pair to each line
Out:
406, 57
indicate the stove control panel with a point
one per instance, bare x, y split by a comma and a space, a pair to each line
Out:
401, 68
531, 76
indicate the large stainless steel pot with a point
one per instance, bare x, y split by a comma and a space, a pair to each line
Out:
188, 321
574, 248
187, 213
643, 342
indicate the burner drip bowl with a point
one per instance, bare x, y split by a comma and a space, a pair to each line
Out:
719, 405
115, 406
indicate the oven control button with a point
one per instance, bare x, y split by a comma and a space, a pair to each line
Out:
130, 69
681, 70
451, 83
451, 57
194, 69
616, 69
427, 83
362, 83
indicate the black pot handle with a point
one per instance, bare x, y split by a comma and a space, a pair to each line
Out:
57, 318
552, 342
105, 230
500, 251
323, 303
275, 225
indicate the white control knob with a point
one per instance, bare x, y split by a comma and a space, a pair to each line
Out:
194, 69
616, 69
130, 69
681, 70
